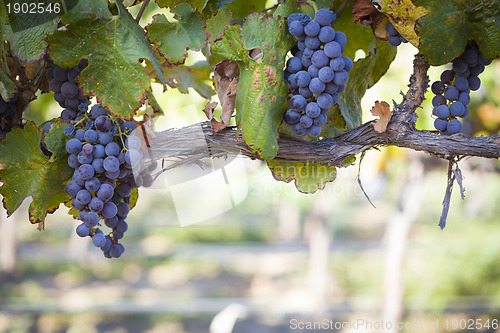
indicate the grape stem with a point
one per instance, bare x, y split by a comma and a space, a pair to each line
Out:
141, 11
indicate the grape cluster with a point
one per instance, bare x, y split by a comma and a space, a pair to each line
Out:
7, 110
66, 92
453, 90
317, 72
103, 153
395, 39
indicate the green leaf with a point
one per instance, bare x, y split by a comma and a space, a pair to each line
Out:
195, 76
445, 30
217, 24
261, 93
365, 73
26, 32
195, 4
28, 172
7, 87
173, 40
114, 46
308, 177
241, 8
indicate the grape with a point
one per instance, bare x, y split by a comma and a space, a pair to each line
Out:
341, 88
312, 111
84, 158
460, 65
77, 205
104, 138
302, 79
447, 76
395, 40
102, 123
348, 64
294, 64
297, 102
341, 38
313, 71
96, 204
440, 124
312, 29
72, 103
337, 64
471, 56
301, 46
316, 86
73, 161
99, 240
438, 100
82, 230
299, 130
457, 109
87, 149
49, 73
91, 219
326, 34
441, 111
314, 131
123, 210
476, 70
78, 178
83, 196
116, 250
320, 120
474, 83
72, 188
305, 121
92, 184
312, 43
111, 222
332, 50
308, 53
341, 77
60, 74
466, 112
90, 136
326, 74
335, 97
464, 98
320, 59
331, 88
98, 165
69, 89
324, 16
73, 146
99, 151
111, 164
454, 126
391, 30
295, 17
437, 87
109, 209
295, 28
324, 101
451, 93
112, 149
305, 92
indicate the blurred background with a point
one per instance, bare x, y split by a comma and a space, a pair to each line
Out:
276, 260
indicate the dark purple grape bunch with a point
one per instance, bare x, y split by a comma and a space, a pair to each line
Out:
7, 110
103, 153
317, 72
395, 38
66, 92
453, 90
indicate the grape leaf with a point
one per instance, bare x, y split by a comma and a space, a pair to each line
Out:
213, 6
26, 32
113, 46
445, 30
7, 87
403, 14
259, 47
308, 177
173, 40
195, 4
242, 8
365, 73
28, 172
217, 24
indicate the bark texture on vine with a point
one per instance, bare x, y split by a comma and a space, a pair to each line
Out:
192, 143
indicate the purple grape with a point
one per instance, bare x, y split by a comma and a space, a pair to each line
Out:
73, 146
99, 240
123, 209
341, 38
295, 28
447, 76
109, 210
90, 136
312, 111
312, 29
297, 102
93, 184
461, 83
326, 34
313, 71
438, 100
454, 126
316, 86
73, 161
337, 64
83, 196
457, 109
314, 131
437, 87
324, 16
69, 89
105, 192
82, 230
294, 64
111, 222
299, 130
348, 64
86, 171
332, 50
474, 83
440, 124
305, 121
326, 74
320, 120
312, 43
85, 158
96, 204
72, 188
394, 40
331, 88
464, 98
98, 165
122, 226
302, 78
325, 101
104, 138
91, 219
460, 65
87, 149
441, 111
304, 91
451, 93
341, 77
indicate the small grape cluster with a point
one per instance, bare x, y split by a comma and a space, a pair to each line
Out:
317, 72
66, 92
395, 38
7, 110
103, 153
453, 90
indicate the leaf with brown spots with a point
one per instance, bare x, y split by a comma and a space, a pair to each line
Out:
382, 110
114, 46
226, 77
28, 172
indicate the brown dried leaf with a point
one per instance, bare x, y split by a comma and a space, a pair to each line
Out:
226, 77
365, 12
383, 110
